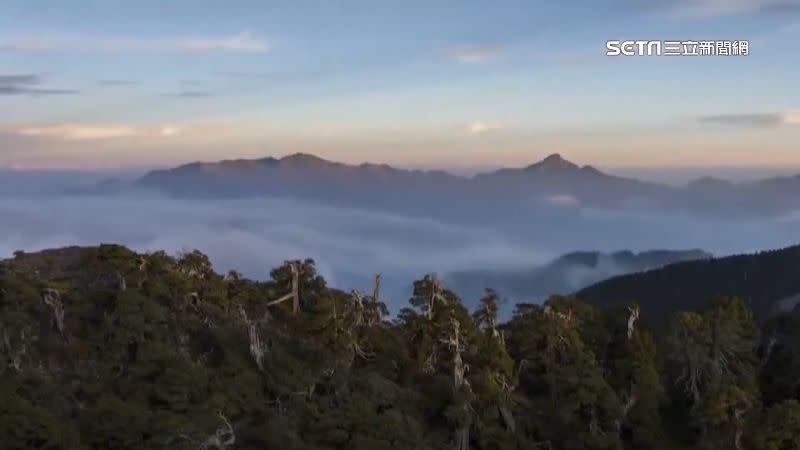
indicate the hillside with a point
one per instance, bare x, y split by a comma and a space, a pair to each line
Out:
104, 348
767, 281
565, 274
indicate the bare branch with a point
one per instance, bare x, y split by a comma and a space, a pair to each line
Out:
222, 438
376, 289
632, 318
771, 343
13, 358
257, 349
123, 284
294, 295
436, 296
52, 298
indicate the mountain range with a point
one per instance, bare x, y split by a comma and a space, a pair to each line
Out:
553, 182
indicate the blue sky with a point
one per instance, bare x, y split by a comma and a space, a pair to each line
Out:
455, 84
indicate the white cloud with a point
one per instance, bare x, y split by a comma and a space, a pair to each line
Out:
479, 127
563, 200
92, 132
472, 54
772, 119
71, 132
712, 8
791, 118
169, 131
244, 42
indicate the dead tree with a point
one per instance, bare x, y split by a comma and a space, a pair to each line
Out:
367, 310
349, 323
738, 419
123, 284
460, 383
294, 295
693, 356
632, 318
13, 358
193, 299
222, 438
429, 365
373, 310
508, 391
564, 322
257, 349
358, 308
436, 296
431, 299
52, 298
376, 289
630, 398
630, 402
143, 268
772, 341
566, 318
486, 316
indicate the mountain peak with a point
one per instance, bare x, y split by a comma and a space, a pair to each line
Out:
553, 162
554, 158
304, 157
303, 160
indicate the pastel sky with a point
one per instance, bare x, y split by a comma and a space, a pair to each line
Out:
434, 83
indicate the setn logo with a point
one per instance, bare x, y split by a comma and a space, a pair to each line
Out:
633, 48
677, 48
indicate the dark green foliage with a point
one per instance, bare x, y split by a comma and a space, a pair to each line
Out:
762, 280
778, 428
160, 352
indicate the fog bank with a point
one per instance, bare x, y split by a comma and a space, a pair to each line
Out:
350, 245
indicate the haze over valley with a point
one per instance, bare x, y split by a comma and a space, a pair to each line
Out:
356, 221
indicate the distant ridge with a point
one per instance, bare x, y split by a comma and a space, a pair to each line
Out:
550, 182
768, 281
566, 273
311, 177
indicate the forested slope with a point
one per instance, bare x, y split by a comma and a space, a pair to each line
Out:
104, 348
765, 281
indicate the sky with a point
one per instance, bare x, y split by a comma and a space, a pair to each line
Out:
109, 84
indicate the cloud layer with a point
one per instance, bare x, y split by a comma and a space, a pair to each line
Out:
788, 118
472, 54
92, 132
479, 127
254, 235
713, 8
27, 84
351, 245
244, 42
189, 94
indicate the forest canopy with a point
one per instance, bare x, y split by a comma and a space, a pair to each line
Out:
106, 348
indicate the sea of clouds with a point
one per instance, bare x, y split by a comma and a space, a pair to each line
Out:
351, 245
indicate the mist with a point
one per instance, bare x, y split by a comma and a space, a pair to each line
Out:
351, 245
